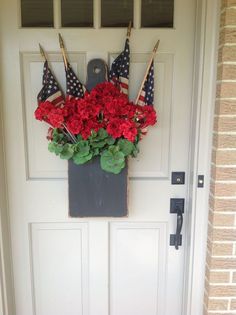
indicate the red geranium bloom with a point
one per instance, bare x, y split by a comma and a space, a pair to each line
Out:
129, 130
104, 107
114, 128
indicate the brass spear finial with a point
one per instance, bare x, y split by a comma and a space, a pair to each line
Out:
156, 46
61, 43
129, 29
42, 52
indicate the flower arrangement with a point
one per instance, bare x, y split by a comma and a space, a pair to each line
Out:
103, 123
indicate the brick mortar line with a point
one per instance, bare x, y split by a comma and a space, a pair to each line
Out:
225, 98
223, 149
223, 257
218, 82
231, 276
223, 212
222, 270
227, 26
226, 44
222, 197
227, 63
224, 182
225, 115
225, 228
220, 298
223, 312
223, 165
223, 242
229, 133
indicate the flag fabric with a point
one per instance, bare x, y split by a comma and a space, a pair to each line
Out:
119, 72
74, 88
50, 90
147, 94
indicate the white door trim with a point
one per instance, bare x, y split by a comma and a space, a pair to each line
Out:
204, 91
203, 105
6, 284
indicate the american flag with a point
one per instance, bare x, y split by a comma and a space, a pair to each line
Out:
119, 73
50, 90
74, 88
147, 93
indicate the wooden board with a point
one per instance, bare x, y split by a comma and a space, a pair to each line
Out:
92, 191
95, 193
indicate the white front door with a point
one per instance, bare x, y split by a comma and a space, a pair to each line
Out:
68, 266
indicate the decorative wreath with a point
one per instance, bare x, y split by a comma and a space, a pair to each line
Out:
102, 122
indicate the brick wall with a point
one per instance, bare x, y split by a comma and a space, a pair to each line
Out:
220, 288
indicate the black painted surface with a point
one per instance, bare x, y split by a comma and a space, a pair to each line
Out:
92, 191
95, 193
96, 73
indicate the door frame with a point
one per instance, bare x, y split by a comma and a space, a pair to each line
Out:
204, 85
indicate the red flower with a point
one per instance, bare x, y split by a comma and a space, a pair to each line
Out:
114, 128
130, 131
43, 110
75, 125
104, 107
56, 117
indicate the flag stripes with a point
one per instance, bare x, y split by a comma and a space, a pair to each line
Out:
50, 91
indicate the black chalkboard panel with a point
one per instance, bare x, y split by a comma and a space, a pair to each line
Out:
92, 191
95, 193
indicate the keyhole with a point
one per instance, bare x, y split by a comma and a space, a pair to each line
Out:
96, 70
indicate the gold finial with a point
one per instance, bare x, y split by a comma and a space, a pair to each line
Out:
61, 41
42, 52
129, 29
63, 50
156, 46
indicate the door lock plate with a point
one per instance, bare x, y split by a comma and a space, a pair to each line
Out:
173, 240
176, 204
178, 178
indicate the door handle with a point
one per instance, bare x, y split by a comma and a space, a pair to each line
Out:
178, 236
177, 206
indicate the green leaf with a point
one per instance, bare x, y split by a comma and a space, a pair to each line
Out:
57, 135
135, 152
55, 147
79, 137
67, 152
102, 134
112, 160
126, 146
82, 148
99, 144
78, 159
110, 140
95, 151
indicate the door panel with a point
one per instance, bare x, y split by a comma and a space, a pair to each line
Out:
137, 268
93, 266
60, 256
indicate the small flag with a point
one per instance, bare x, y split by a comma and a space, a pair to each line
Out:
147, 94
119, 73
74, 88
50, 90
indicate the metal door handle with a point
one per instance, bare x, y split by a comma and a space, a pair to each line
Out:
177, 206
178, 228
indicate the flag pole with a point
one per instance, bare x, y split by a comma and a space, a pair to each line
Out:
63, 50
129, 30
42, 52
147, 70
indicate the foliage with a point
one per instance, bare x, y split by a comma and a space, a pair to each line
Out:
104, 123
